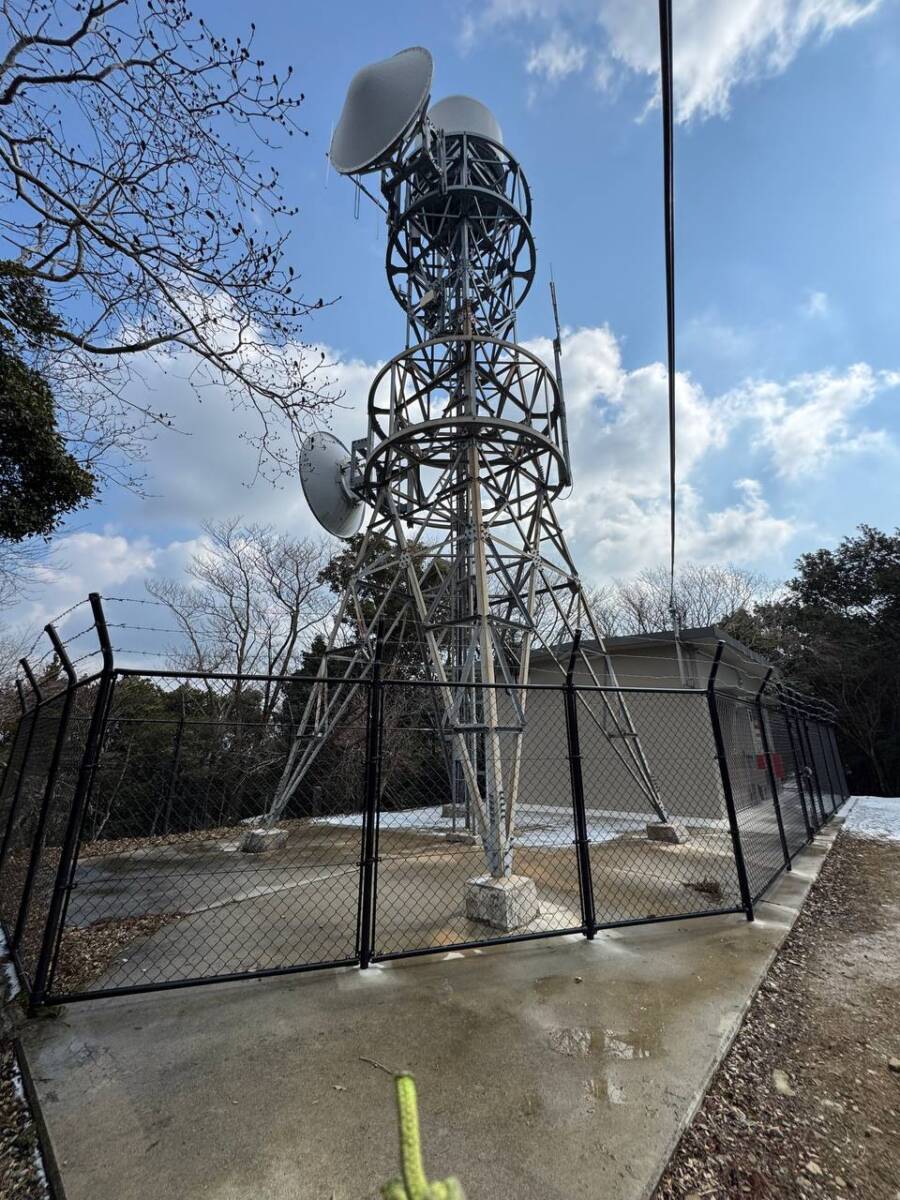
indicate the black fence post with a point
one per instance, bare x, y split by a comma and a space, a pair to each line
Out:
823, 759
770, 768
50, 788
173, 775
798, 765
721, 756
374, 720
828, 767
68, 858
842, 775
22, 730
814, 770
582, 844
26, 755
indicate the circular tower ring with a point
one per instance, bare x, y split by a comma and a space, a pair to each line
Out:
430, 403
424, 253
460, 235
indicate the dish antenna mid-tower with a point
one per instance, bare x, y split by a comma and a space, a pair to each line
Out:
465, 455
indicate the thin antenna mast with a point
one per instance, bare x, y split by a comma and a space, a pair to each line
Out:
557, 359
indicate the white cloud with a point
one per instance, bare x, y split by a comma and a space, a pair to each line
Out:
105, 561
815, 305
617, 515
708, 336
556, 58
805, 423
208, 469
200, 469
718, 45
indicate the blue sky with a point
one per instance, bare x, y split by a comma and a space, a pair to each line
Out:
788, 261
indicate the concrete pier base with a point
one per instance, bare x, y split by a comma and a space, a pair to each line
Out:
666, 831
258, 841
504, 904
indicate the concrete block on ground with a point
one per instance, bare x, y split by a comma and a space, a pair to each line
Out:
504, 904
666, 831
258, 841
454, 810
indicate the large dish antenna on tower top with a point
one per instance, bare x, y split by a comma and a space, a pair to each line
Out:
383, 103
324, 466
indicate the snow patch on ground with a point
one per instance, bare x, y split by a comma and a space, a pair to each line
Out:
875, 817
538, 826
9, 988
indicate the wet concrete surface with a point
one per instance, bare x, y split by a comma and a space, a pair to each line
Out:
238, 913
546, 1071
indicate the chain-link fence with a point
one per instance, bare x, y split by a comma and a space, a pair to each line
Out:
161, 828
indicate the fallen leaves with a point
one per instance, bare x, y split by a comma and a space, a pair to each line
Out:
791, 1105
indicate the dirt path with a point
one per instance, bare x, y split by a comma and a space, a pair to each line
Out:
807, 1103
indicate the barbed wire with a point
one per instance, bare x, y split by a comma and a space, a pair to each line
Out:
90, 654
150, 653
53, 621
81, 632
628, 659
144, 628
134, 600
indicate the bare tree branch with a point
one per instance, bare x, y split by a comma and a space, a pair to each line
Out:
704, 596
255, 595
137, 184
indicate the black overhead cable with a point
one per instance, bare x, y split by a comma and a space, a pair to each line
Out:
665, 54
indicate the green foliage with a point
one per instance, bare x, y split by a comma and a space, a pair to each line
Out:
39, 480
403, 653
26, 317
837, 635
182, 760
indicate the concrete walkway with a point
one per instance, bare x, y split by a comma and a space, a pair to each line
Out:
546, 1071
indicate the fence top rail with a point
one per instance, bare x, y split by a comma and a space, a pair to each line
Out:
747, 697
234, 676
365, 681
219, 722
48, 698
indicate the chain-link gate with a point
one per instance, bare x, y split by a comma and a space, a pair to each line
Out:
141, 847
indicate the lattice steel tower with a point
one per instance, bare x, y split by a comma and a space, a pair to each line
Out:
465, 457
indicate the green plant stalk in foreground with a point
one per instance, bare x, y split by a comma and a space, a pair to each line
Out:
412, 1184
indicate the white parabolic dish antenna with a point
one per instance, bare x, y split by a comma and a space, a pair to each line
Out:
324, 463
383, 102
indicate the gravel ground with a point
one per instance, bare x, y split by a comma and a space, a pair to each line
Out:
807, 1103
21, 1172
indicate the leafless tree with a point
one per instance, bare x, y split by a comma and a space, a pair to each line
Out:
18, 564
12, 647
255, 595
704, 595
135, 174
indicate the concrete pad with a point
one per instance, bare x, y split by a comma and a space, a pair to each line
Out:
666, 831
546, 1071
506, 904
261, 841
